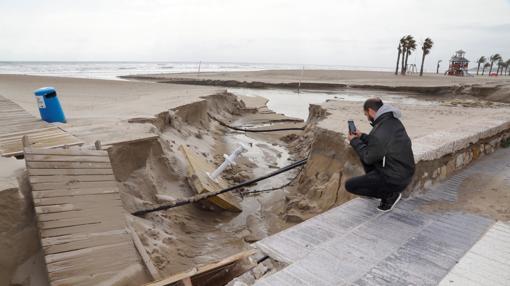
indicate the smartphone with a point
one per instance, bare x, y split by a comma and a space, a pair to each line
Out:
352, 127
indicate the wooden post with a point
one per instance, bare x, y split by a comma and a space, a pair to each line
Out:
141, 250
98, 144
300, 79
26, 141
187, 281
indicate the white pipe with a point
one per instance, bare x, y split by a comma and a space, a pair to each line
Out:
229, 160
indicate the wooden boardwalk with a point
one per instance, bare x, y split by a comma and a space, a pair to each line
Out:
15, 122
80, 216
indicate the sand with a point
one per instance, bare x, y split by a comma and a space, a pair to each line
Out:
180, 238
419, 120
99, 109
95, 109
487, 195
152, 172
490, 88
334, 76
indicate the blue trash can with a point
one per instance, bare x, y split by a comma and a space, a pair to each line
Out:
49, 106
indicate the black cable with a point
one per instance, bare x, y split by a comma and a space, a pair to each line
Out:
246, 193
255, 130
194, 199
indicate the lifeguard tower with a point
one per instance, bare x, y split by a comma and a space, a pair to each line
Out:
458, 64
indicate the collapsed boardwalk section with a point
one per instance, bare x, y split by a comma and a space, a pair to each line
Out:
81, 218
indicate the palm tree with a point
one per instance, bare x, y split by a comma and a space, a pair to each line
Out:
404, 42
480, 61
410, 47
437, 69
486, 65
400, 47
501, 65
507, 65
492, 59
427, 45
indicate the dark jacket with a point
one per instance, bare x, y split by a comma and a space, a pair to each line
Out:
387, 148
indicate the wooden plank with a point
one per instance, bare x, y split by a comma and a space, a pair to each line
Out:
61, 259
72, 192
141, 250
59, 158
30, 128
93, 265
91, 270
73, 142
50, 142
12, 110
187, 281
68, 152
77, 237
69, 185
198, 179
44, 128
35, 137
145, 138
68, 222
86, 280
69, 208
69, 178
76, 172
72, 209
61, 139
86, 243
203, 268
13, 118
68, 165
89, 228
103, 198
16, 119
101, 212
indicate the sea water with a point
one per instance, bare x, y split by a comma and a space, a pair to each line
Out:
112, 70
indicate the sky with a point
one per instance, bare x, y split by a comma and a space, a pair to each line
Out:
322, 32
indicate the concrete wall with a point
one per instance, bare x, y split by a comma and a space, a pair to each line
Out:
442, 161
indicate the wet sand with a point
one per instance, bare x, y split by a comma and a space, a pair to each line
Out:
345, 77
491, 88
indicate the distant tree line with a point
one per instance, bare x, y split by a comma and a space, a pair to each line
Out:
503, 66
406, 46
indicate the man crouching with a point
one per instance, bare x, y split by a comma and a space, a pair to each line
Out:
386, 156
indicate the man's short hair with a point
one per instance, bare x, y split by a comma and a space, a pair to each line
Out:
373, 103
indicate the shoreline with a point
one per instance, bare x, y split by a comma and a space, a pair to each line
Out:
490, 88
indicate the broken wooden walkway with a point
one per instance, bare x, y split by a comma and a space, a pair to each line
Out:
80, 217
15, 122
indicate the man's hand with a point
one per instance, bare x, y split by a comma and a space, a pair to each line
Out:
351, 136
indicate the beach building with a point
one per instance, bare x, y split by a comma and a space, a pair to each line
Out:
458, 64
